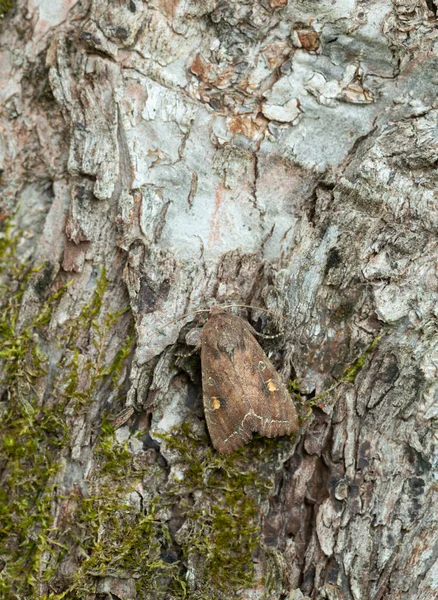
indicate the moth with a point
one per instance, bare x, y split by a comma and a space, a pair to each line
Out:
242, 392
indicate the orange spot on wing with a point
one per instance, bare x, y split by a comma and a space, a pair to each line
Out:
215, 403
271, 385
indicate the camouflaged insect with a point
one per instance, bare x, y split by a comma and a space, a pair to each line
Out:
243, 393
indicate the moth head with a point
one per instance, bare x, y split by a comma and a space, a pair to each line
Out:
216, 310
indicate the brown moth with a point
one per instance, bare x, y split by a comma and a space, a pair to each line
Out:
243, 393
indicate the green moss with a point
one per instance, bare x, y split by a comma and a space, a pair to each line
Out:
349, 376
88, 318
34, 429
117, 538
31, 432
30, 441
352, 371
92, 309
219, 497
294, 386
113, 458
98, 326
5, 5
115, 368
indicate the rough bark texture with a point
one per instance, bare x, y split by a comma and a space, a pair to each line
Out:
158, 157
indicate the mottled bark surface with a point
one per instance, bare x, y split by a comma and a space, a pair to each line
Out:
159, 157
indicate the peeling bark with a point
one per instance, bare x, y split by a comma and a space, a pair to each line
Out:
157, 158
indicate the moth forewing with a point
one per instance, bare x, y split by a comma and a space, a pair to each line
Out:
243, 393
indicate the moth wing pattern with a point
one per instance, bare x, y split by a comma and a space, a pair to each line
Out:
225, 403
270, 400
243, 393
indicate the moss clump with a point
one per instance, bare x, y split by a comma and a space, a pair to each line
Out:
219, 499
98, 326
29, 440
349, 376
352, 370
31, 432
117, 536
37, 410
5, 5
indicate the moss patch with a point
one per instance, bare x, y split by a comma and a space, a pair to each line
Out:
349, 376
221, 501
116, 535
5, 5
38, 405
352, 370
31, 433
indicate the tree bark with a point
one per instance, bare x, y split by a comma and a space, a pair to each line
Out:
158, 158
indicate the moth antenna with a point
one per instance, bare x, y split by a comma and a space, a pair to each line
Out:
269, 312
201, 310
267, 337
187, 354
189, 314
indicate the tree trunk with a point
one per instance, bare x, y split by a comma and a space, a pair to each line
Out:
161, 157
